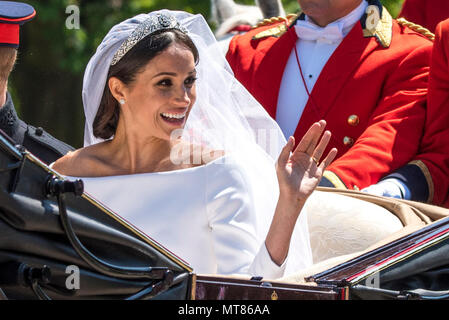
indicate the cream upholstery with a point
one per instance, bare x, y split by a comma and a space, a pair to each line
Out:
341, 225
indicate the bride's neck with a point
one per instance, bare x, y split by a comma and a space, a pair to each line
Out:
138, 152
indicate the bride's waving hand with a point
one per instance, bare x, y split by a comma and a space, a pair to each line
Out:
299, 173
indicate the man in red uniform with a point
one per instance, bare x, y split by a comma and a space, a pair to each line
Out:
350, 63
427, 13
428, 173
434, 146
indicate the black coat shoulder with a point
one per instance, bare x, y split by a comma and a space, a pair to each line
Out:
36, 140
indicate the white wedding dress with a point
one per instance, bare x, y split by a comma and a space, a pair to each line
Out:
205, 215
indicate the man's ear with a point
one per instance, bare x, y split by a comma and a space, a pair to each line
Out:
117, 88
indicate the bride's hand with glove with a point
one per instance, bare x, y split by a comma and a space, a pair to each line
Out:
299, 173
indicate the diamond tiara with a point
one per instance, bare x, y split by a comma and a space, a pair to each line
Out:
154, 23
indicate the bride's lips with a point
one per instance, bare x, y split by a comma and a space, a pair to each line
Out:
174, 117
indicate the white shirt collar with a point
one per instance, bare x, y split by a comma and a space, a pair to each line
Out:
348, 21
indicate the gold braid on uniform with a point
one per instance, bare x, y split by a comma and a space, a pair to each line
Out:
267, 22
417, 28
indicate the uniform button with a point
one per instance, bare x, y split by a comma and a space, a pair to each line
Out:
353, 120
39, 131
356, 188
347, 141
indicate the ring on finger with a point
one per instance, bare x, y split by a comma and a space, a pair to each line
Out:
315, 160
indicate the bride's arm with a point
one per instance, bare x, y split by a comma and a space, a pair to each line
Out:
299, 173
232, 216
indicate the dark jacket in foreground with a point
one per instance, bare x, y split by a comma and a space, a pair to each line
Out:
36, 140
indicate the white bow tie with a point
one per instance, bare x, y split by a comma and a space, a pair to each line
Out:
306, 30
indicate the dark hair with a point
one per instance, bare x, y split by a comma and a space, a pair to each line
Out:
133, 62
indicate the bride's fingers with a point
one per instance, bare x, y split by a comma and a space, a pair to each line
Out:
310, 138
285, 152
319, 150
316, 137
328, 160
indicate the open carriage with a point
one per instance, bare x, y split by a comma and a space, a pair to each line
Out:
57, 242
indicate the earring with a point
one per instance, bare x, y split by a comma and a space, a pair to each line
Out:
122, 101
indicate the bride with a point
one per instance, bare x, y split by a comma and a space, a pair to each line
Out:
176, 146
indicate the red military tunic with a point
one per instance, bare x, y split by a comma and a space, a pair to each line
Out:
434, 150
427, 176
427, 13
372, 93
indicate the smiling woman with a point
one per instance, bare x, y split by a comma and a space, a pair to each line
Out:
148, 94
234, 212
167, 86
133, 76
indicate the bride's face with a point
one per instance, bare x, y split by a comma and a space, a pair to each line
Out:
162, 95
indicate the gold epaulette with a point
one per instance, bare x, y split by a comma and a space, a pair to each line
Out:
378, 26
273, 20
417, 28
276, 31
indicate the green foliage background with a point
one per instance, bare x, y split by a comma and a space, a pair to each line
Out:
47, 81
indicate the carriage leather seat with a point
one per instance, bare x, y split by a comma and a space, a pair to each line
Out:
341, 225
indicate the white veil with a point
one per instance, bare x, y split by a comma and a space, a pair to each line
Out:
224, 117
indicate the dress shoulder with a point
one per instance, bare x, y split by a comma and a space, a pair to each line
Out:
226, 183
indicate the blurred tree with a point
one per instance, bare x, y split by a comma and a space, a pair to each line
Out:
47, 81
